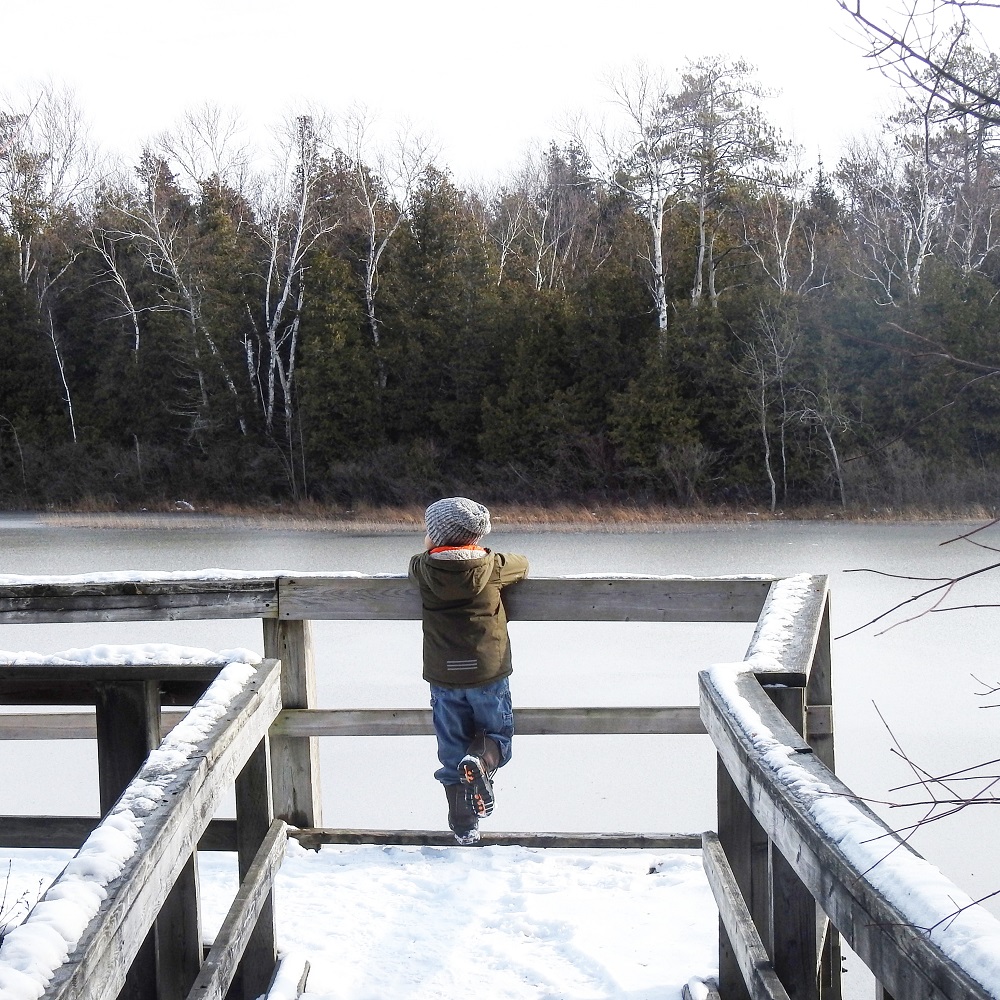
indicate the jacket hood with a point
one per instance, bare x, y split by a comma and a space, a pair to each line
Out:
455, 579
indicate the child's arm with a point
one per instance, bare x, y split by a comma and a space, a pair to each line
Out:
511, 567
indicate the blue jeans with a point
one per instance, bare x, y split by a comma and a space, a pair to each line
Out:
460, 713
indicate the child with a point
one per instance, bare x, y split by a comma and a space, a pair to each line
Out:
466, 655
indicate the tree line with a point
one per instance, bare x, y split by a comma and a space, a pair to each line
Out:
667, 305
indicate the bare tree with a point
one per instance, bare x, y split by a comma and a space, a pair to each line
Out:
722, 141
638, 158
382, 179
919, 44
765, 364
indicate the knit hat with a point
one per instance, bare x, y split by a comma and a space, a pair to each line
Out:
457, 521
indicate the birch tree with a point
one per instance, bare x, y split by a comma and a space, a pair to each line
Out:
722, 144
382, 179
638, 158
295, 212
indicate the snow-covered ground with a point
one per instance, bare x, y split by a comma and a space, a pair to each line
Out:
439, 923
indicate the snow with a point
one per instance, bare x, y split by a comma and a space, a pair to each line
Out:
965, 932
431, 923
33, 950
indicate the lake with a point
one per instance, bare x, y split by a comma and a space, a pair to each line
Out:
920, 677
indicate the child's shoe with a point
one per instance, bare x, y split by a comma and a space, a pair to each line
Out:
476, 770
462, 818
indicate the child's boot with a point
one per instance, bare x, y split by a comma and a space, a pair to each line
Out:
462, 819
476, 770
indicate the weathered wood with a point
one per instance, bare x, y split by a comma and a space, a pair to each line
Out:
755, 967
170, 600
802, 640
437, 838
69, 832
740, 836
96, 967
711, 993
128, 720
253, 822
177, 933
663, 599
80, 690
66, 725
819, 694
642, 720
219, 969
298, 797
885, 936
795, 951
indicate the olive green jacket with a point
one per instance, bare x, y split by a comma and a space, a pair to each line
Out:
465, 625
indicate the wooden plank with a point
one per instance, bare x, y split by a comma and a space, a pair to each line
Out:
799, 643
177, 934
298, 797
436, 838
796, 950
219, 969
82, 692
69, 673
755, 967
128, 720
69, 832
170, 600
66, 725
96, 967
886, 937
253, 822
819, 695
664, 599
740, 837
642, 720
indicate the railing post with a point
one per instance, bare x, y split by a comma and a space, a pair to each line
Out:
745, 846
253, 820
795, 953
295, 759
819, 734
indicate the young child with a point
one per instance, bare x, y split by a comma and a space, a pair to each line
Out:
466, 655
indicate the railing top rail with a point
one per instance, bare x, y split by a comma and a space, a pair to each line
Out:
355, 596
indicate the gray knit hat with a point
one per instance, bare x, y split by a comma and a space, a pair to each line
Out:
457, 521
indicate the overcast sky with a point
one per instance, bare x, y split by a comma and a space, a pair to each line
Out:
486, 79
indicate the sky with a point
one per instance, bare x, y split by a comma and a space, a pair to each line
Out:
487, 81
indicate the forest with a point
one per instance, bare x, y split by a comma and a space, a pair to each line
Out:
667, 306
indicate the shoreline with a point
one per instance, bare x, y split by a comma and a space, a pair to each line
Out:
393, 521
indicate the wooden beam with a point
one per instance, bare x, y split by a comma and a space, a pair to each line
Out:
298, 797
663, 599
95, 970
758, 974
800, 641
69, 832
886, 937
253, 822
642, 720
436, 838
66, 725
219, 969
158, 600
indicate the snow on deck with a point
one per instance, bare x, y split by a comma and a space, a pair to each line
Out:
439, 923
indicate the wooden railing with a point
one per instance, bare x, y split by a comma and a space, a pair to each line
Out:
781, 881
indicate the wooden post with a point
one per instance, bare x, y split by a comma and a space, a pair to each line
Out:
796, 953
295, 759
737, 835
253, 820
128, 727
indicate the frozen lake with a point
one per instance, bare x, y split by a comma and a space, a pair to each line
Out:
920, 676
